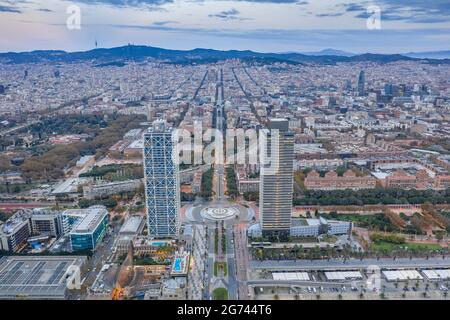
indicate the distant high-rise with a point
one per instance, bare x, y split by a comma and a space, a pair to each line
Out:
276, 185
362, 84
162, 183
2, 89
388, 89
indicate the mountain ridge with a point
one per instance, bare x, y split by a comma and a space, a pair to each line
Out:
198, 55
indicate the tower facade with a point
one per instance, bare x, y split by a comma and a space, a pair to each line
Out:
362, 84
276, 185
162, 183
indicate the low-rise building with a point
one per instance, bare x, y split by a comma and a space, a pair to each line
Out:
420, 180
129, 231
310, 228
101, 190
197, 182
89, 231
174, 289
42, 278
331, 181
15, 232
70, 217
46, 222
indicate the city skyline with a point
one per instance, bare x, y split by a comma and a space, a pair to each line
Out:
294, 25
133, 171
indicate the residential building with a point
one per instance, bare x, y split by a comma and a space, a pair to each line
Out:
15, 232
331, 181
46, 222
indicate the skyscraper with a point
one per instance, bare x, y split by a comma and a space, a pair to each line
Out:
162, 183
276, 185
362, 84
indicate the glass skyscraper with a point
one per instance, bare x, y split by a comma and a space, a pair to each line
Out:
162, 183
277, 185
362, 84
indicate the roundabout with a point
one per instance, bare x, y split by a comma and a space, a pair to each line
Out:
219, 213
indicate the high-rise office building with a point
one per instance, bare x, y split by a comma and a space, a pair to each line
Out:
276, 185
162, 183
362, 84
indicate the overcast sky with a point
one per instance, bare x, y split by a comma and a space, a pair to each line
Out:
260, 25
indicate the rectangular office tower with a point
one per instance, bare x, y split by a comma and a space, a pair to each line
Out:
162, 183
276, 185
362, 84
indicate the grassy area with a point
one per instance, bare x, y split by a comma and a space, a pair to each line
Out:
5, 216
17, 188
220, 294
373, 222
372, 196
216, 241
329, 238
232, 190
384, 246
116, 172
220, 265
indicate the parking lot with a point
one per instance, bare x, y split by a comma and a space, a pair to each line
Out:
349, 284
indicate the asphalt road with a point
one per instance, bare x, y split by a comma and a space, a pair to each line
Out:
242, 259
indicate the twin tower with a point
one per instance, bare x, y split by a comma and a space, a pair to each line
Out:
162, 185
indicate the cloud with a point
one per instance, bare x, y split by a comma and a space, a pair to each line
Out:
409, 11
126, 3
44, 10
9, 9
309, 37
352, 7
273, 1
434, 6
335, 14
164, 22
231, 14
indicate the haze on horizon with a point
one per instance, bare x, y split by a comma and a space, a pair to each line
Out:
258, 25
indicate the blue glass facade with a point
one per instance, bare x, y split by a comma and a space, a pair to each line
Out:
161, 182
89, 240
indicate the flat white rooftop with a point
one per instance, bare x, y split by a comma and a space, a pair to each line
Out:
393, 275
91, 220
131, 225
42, 277
343, 275
436, 274
288, 276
